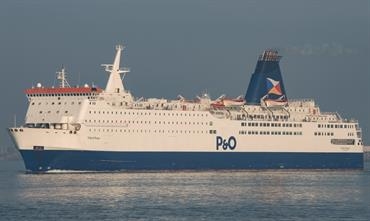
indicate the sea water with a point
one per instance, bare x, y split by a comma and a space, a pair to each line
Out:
185, 195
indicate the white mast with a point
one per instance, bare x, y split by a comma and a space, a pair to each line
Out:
61, 75
115, 84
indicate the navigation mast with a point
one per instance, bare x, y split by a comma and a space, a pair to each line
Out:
115, 84
61, 75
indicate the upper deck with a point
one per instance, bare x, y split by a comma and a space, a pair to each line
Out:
59, 91
70, 104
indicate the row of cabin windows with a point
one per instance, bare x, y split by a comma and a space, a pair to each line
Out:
147, 122
249, 132
255, 124
335, 126
323, 118
290, 109
147, 113
49, 112
55, 103
62, 95
258, 116
148, 131
163, 105
299, 110
324, 134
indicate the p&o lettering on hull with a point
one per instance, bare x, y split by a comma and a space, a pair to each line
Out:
225, 144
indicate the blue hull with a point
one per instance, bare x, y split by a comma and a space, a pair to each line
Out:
39, 161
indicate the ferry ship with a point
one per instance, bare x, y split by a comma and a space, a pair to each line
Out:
93, 129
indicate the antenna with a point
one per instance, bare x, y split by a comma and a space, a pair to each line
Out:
79, 78
61, 75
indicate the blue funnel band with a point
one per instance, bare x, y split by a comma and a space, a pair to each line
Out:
266, 81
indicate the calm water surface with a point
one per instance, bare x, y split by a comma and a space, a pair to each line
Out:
185, 195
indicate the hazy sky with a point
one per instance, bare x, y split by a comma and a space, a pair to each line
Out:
187, 47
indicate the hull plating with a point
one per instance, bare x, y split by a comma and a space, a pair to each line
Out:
39, 161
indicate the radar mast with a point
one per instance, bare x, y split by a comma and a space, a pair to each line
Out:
62, 77
115, 84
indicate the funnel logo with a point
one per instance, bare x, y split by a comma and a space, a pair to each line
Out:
273, 87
